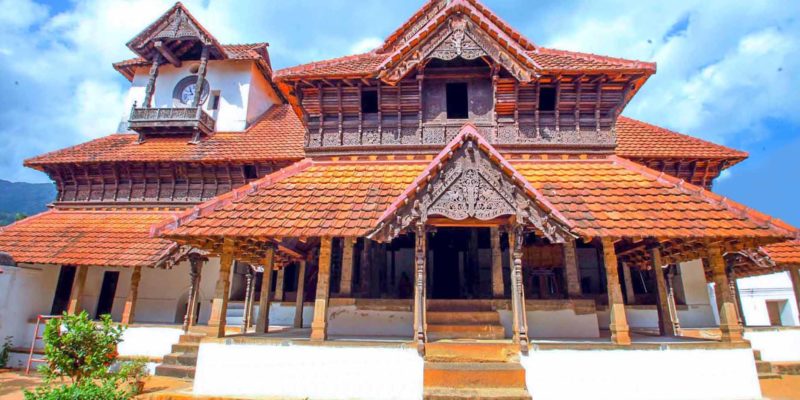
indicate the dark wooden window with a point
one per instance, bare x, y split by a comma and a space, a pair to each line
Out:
108, 288
250, 172
369, 101
547, 99
457, 101
214, 103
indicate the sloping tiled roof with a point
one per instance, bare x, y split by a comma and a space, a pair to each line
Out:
310, 199
278, 135
617, 198
110, 237
784, 254
637, 140
242, 51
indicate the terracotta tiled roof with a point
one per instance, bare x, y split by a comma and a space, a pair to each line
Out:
278, 135
618, 198
784, 254
118, 237
365, 64
564, 60
243, 51
307, 199
637, 140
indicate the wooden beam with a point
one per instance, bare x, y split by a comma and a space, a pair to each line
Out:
168, 54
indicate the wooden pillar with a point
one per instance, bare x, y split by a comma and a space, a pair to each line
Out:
319, 326
76, 293
518, 312
298, 301
129, 312
262, 322
794, 273
673, 308
150, 89
734, 287
728, 322
497, 265
620, 332
248, 299
219, 304
420, 302
471, 265
279, 285
201, 77
195, 267
571, 269
366, 265
665, 326
628, 280
346, 284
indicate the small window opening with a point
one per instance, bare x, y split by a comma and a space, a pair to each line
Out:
547, 99
369, 101
213, 104
250, 172
457, 101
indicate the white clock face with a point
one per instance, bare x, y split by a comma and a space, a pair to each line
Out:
185, 92
187, 95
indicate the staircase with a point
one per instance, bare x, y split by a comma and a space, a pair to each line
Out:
465, 357
181, 363
463, 319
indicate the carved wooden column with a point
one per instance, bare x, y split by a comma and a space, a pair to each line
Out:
346, 284
665, 326
728, 321
366, 265
219, 304
497, 265
319, 326
620, 332
150, 89
195, 267
571, 269
279, 285
628, 280
129, 312
518, 312
262, 322
76, 294
201, 78
794, 274
298, 301
420, 302
248, 299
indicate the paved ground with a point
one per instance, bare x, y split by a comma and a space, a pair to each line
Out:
13, 383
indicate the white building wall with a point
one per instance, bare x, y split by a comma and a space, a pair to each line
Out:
25, 292
756, 291
244, 93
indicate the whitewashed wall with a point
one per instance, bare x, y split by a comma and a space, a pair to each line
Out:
756, 291
555, 324
25, 292
308, 371
775, 344
244, 93
641, 374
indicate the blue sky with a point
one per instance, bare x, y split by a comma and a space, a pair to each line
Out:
728, 71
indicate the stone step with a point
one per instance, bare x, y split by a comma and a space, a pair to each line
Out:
175, 371
457, 318
191, 338
479, 393
471, 352
450, 375
769, 376
459, 305
441, 331
185, 359
764, 367
186, 348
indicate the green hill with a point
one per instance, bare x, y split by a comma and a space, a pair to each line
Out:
23, 199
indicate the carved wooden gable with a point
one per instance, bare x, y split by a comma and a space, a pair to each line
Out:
176, 26
470, 184
458, 36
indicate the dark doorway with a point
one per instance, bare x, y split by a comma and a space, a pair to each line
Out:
457, 101
63, 289
456, 270
107, 292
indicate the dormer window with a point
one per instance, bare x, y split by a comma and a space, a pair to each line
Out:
457, 101
369, 101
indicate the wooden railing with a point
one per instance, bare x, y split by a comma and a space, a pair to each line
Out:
165, 120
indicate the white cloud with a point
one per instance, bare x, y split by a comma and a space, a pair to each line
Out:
365, 45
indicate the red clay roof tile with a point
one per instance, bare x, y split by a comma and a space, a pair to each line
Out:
638, 140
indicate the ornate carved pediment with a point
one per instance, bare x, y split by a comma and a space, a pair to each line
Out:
178, 26
471, 185
177, 31
457, 37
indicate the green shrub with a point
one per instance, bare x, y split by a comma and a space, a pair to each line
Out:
81, 351
5, 350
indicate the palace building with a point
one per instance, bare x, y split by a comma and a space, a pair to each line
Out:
458, 213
